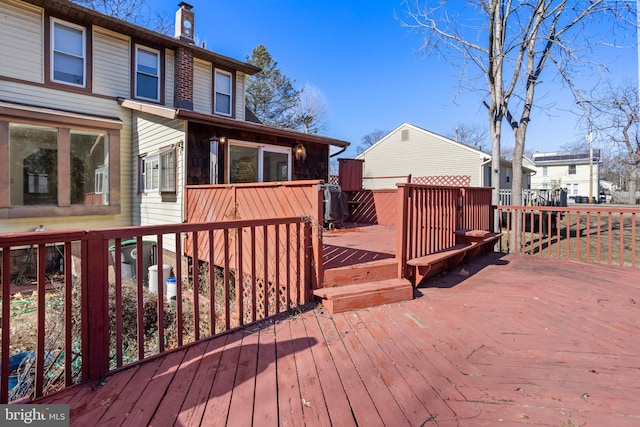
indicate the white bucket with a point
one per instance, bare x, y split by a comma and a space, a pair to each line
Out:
172, 289
153, 278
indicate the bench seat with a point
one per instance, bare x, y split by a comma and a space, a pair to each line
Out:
432, 264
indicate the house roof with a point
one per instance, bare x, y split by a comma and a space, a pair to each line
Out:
76, 13
227, 122
565, 157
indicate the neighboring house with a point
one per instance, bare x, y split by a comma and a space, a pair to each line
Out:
570, 170
429, 158
103, 122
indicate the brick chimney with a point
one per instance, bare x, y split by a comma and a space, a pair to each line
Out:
183, 90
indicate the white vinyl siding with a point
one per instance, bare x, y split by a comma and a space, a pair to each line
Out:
111, 64
202, 86
423, 154
156, 134
240, 96
169, 78
22, 41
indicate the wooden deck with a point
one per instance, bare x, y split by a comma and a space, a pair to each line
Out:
508, 340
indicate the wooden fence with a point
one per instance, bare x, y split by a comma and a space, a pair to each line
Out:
373, 207
211, 203
587, 233
88, 318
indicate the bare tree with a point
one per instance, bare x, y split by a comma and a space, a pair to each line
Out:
472, 135
617, 118
137, 12
310, 111
371, 138
513, 44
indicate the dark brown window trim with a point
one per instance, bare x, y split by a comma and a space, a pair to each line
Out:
88, 88
163, 71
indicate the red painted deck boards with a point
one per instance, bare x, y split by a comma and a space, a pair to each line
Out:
516, 340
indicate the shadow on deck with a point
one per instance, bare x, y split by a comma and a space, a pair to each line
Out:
513, 339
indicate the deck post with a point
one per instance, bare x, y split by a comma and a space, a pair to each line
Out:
317, 207
95, 295
401, 228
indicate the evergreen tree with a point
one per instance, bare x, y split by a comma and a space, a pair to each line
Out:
270, 94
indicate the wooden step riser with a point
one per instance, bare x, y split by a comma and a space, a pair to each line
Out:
360, 274
372, 299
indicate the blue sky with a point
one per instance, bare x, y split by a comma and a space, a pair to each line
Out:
369, 68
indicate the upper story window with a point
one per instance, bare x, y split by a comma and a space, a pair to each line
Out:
572, 169
68, 53
545, 170
147, 82
222, 93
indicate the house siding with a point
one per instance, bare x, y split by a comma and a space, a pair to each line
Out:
111, 64
240, 96
576, 184
202, 87
169, 77
22, 41
154, 133
423, 154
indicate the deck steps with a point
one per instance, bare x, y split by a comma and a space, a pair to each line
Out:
339, 299
367, 272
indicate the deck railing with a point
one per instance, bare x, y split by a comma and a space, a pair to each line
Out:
428, 217
587, 233
88, 316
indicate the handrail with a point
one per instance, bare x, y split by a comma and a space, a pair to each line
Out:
121, 320
587, 233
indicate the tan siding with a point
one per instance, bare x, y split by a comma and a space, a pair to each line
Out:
202, 87
111, 64
424, 154
153, 134
169, 77
83, 104
22, 41
240, 96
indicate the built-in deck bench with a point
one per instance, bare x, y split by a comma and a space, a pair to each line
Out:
468, 244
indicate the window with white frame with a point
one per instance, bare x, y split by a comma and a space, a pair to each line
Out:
545, 170
159, 172
147, 84
68, 53
572, 169
257, 163
222, 93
